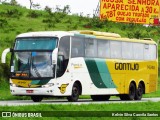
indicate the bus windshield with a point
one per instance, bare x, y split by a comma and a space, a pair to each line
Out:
41, 43
32, 58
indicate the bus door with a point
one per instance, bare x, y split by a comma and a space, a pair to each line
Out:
63, 56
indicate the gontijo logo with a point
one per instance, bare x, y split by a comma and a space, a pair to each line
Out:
76, 66
126, 66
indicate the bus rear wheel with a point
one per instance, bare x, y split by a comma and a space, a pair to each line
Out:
139, 92
75, 93
131, 95
100, 97
37, 98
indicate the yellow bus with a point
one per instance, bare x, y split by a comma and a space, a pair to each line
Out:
74, 63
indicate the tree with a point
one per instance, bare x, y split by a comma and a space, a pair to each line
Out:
31, 3
36, 6
66, 9
3, 1
13, 2
48, 9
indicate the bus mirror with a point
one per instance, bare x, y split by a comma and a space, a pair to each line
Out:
54, 56
11, 50
4, 54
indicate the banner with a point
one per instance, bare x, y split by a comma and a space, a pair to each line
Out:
40, 114
135, 11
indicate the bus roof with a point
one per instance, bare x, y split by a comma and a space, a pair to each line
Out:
128, 40
97, 33
45, 34
85, 33
114, 36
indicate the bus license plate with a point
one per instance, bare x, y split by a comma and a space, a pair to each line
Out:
29, 91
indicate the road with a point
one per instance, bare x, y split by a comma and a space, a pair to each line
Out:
64, 101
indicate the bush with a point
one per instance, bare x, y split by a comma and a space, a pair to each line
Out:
33, 14
137, 34
14, 13
95, 22
48, 10
4, 71
50, 22
3, 23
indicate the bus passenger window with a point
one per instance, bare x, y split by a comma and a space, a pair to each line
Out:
138, 51
91, 47
150, 52
116, 49
127, 50
77, 49
103, 49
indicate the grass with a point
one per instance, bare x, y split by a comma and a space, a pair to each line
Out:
6, 95
90, 111
147, 106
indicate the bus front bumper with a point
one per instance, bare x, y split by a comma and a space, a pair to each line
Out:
32, 91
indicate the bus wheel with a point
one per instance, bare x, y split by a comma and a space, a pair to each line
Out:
132, 92
75, 93
139, 92
37, 98
131, 95
100, 97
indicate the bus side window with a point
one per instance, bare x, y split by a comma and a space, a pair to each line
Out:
138, 51
91, 47
150, 52
77, 49
103, 49
116, 49
127, 50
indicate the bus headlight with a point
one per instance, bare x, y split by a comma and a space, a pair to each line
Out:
48, 85
13, 85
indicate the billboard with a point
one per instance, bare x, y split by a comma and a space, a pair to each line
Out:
136, 11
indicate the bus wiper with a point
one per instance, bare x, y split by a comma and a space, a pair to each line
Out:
36, 71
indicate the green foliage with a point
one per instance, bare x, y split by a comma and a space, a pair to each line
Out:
48, 10
14, 13
3, 23
3, 69
14, 2
96, 23
33, 14
137, 34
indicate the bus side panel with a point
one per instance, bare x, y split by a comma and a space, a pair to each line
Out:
101, 76
94, 76
123, 72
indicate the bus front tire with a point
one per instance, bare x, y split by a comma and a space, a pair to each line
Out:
37, 98
75, 93
139, 92
100, 97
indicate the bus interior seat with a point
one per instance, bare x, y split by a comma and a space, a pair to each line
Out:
90, 52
